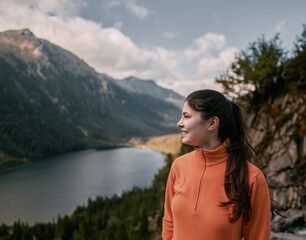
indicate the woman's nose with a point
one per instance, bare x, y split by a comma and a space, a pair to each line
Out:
180, 123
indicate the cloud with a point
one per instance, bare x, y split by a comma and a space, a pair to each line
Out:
210, 66
131, 6
118, 25
136, 9
196, 67
51, 7
109, 51
113, 3
280, 26
205, 45
188, 86
106, 49
168, 58
169, 35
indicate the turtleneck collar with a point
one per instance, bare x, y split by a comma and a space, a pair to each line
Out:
214, 156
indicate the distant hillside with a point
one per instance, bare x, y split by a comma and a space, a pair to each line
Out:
171, 143
52, 102
148, 87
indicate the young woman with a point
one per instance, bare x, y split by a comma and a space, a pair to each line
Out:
215, 192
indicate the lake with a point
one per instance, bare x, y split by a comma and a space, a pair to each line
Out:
43, 189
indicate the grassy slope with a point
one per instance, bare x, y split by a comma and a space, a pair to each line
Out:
167, 144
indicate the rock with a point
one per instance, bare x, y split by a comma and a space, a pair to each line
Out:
294, 221
278, 133
286, 236
285, 156
282, 179
288, 197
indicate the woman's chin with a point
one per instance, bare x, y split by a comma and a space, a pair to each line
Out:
185, 141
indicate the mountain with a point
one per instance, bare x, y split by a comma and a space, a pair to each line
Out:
148, 87
52, 102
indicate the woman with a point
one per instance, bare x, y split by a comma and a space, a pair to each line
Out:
215, 192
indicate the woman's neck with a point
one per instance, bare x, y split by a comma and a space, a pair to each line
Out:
212, 144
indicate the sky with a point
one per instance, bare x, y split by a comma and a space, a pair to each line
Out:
182, 45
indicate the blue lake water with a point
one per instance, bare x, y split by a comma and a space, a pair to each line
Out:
43, 189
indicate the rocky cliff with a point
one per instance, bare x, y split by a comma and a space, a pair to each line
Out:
279, 135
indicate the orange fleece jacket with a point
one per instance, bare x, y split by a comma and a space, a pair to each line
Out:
194, 191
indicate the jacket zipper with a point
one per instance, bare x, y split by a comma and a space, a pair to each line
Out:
200, 184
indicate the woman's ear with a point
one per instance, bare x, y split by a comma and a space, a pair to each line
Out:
213, 123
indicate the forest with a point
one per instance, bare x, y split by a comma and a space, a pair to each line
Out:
262, 73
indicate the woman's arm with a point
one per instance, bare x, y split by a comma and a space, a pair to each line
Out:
167, 232
259, 226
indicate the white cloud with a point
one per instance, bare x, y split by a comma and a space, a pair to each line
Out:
136, 9
169, 59
131, 6
205, 45
211, 66
109, 51
211, 41
51, 7
188, 86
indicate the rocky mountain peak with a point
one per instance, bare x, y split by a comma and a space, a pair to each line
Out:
40, 53
23, 39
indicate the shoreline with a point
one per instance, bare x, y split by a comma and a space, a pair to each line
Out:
170, 143
17, 162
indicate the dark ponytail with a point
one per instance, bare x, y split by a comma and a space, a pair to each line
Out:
236, 181
232, 129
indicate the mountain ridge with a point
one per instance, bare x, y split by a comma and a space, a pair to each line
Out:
149, 87
53, 102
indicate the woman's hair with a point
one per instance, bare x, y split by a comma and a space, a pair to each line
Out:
232, 128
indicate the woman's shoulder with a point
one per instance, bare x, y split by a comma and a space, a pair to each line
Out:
255, 174
183, 158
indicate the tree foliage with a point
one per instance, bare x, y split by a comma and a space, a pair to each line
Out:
296, 71
265, 71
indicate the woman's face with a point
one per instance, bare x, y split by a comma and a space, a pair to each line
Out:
194, 128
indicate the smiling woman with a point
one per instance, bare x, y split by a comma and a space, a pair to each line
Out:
215, 192
195, 130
